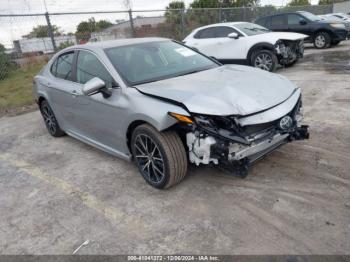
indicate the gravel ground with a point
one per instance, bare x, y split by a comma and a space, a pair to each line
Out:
57, 193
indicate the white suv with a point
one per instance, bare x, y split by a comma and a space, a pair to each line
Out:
247, 43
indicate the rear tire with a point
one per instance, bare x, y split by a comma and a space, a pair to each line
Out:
160, 156
264, 59
50, 120
322, 40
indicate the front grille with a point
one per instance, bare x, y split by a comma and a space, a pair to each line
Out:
252, 130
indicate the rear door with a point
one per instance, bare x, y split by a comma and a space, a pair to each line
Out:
278, 23
62, 89
204, 40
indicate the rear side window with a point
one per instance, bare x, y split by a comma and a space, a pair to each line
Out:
62, 67
223, 31
277, 20
88, 67
205, 33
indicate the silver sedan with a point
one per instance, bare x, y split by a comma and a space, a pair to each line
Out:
162, 104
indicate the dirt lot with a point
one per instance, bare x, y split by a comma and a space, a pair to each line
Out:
57, 193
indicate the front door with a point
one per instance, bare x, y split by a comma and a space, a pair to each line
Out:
98, 117
297, 23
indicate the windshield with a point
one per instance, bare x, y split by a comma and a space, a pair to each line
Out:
310, 16
153, 61
251, 29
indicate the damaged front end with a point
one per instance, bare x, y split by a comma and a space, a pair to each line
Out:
232, 142
289, 51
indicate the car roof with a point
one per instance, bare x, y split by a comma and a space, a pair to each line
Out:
284, 13
118, 42
221, 24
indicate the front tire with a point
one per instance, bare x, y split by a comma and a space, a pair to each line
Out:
322, 40
160, 156
265, 60
50, 120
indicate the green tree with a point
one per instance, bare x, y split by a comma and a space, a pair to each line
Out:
329, 2
42, 31
299, 3
172, 27
174, 16
205, 4
85, 28
223, 3
4, 63
103, 24
65, 44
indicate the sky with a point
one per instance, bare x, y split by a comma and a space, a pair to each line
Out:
12, 28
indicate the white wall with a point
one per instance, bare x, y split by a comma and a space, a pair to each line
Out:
343, 7
43, 44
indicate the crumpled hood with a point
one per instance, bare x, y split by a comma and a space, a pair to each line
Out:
225, 90
273, 37
286, 35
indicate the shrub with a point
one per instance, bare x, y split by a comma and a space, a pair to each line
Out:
4, 64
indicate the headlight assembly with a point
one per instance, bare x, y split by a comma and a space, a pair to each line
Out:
216, 122
338, 26
280, 47
181, 118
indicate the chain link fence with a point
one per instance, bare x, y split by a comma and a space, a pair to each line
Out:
32, 38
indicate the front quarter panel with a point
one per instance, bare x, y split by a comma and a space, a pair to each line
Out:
148, 109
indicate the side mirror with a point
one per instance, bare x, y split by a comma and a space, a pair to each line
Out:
92, 86
302, 22
233, 35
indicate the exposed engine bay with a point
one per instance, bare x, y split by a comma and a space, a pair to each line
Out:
288, 51
224, 141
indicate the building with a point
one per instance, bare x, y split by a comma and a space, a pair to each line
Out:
123, 29
40, 45
342, 7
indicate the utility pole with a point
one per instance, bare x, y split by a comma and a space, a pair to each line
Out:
132, 23
220, 13
50, 31
182, 22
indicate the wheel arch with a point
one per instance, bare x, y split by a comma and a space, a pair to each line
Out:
260, 46
41, 98
322, 30
165, 125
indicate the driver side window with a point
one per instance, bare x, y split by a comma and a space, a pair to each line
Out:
294, 19
224, 31
88, 67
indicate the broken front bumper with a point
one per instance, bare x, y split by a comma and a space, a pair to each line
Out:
237, 157
289, 51
255, 151
236, 143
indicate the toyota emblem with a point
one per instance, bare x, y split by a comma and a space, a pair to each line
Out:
286, 123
